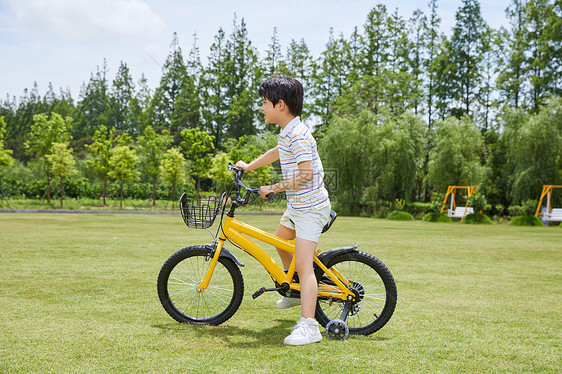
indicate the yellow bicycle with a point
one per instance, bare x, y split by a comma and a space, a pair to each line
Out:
204, 285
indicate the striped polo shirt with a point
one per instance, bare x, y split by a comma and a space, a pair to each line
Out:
295, 145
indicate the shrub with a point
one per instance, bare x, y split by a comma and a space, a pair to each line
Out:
477, 202
398, 215
529, 207
516, 211
526, 221
477, 218
437, 217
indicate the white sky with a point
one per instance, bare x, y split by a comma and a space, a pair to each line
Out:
63, 41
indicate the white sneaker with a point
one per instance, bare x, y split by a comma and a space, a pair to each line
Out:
288, 302
306, 331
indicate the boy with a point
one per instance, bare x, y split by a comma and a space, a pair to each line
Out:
308, 204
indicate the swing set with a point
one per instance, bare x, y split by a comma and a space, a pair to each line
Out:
548, 214
455, 211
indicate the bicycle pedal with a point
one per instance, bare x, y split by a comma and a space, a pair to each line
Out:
258, 293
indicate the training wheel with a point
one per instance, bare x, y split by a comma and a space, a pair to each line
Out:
337, 329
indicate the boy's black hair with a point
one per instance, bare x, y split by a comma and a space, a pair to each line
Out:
288, 89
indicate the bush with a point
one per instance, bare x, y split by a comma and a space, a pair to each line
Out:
526, 221
399, 215
437, 217
516, 211
477, 218
529, 207
477, 202
418, 208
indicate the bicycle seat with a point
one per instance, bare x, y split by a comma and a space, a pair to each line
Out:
333, 216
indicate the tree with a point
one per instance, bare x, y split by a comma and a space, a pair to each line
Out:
213, 89
92, 108
456, 157
44, 133
198, 145
187, 106
163, 102
151, 148
122, 167
244, 77
345, 142
467, 55
510, 80
432, 38
6, 159
123, 106
102, 150
273, 56
544, 37
61, 163
173, 168
535, 152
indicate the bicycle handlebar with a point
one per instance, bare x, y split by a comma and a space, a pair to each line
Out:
238, 172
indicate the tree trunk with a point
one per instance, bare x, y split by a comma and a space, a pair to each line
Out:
61, 192
121, 187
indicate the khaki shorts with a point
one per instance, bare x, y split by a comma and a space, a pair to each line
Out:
307, 223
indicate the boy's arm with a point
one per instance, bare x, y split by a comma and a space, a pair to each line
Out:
304, 176
267, 158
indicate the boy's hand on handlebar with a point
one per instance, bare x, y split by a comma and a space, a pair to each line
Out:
242, 165
266, 192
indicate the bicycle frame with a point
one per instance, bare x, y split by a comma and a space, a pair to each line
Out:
239, 232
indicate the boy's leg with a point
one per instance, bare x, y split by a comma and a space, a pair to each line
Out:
285, 233
304, 251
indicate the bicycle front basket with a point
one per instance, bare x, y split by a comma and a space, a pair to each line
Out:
198, 212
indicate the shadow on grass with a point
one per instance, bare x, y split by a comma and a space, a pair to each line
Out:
239, 337
235, 336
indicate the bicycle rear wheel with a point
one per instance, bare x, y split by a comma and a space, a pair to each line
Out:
372, 281
181, 275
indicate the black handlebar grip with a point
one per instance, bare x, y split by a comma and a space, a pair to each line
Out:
270, 196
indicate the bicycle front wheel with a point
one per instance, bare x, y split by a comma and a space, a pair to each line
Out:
181, 275
374, 284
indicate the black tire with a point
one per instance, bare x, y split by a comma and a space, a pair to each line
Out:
178, 281
375, 285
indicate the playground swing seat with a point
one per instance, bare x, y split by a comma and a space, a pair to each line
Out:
548, 214
455, 211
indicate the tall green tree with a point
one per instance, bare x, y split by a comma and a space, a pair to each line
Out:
456, 157
123, 104
102, 149
151, 148
273, 56
122, 167
543, 35
511, 78
62, 164
330, 74
198, 146
6, 159
187, 107
535, 152
93, 105
245, 75
214, 89
467, 54
44, 133
174, 72
432, 39
173, 169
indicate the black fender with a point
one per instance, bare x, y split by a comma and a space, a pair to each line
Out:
224, 253
325, 257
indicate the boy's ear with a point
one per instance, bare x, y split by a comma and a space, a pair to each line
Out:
281, 104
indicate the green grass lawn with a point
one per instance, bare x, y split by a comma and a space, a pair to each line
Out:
78, 294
